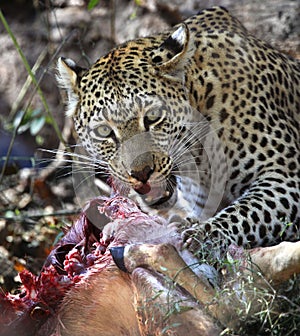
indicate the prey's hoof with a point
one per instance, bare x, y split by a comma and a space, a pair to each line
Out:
117, 253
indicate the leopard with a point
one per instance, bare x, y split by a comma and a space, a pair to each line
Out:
199, 122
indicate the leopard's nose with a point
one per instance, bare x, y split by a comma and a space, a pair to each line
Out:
143, 174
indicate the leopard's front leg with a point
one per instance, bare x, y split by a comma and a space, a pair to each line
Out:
267, 213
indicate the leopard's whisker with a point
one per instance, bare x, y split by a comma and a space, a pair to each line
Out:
97, 163
189, 139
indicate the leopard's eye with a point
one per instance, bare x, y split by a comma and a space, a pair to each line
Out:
103, 131
153, 116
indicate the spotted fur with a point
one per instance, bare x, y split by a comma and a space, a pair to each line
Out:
206, 94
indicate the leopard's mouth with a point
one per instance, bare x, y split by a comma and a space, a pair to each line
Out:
157, 194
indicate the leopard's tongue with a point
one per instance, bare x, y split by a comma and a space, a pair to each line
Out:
143, 189
152, 194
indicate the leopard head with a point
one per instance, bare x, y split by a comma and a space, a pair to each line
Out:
131, 107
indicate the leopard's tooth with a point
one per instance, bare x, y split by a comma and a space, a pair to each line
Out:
149, 199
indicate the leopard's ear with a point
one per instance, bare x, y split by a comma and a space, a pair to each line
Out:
68, 77
172, 55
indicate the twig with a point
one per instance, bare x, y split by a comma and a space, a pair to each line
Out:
38, 215
28, 69
26, 85
31, 74
10, 149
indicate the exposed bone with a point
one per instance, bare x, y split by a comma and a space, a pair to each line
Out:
165, 259
160, 305
275, 264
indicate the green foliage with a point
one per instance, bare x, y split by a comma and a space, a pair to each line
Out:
92, 4
32, 77
31, 120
